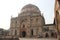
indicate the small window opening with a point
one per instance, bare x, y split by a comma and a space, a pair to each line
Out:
15, 32
23, 34
37, 20
23, 26
32, 32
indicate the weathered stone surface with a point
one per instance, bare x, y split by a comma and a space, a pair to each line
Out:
38, 39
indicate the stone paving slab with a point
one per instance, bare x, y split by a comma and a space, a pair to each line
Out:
38, 39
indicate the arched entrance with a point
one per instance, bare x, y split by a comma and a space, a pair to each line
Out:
54, 35
23, 34
31, 32
46, 35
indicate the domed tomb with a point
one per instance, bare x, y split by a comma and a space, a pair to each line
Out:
31, 19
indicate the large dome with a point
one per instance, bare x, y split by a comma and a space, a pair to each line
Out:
31, 13
30, 8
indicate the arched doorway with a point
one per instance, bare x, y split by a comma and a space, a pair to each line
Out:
46, 35
31, 32
23, 34
52, 34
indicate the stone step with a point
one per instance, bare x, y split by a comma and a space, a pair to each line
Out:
38, 39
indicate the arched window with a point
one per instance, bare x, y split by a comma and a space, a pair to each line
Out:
36, 19
52, 34
46, 29
57, 13
11, 32
32, 32
15, 32
46, 35
23, 26
23, 34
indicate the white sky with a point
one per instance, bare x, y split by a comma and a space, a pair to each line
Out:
10, 8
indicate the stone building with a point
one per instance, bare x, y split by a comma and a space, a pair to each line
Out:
31, 23
3, 32
57, 16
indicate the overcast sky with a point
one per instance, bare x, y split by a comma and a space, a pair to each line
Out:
10, 8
